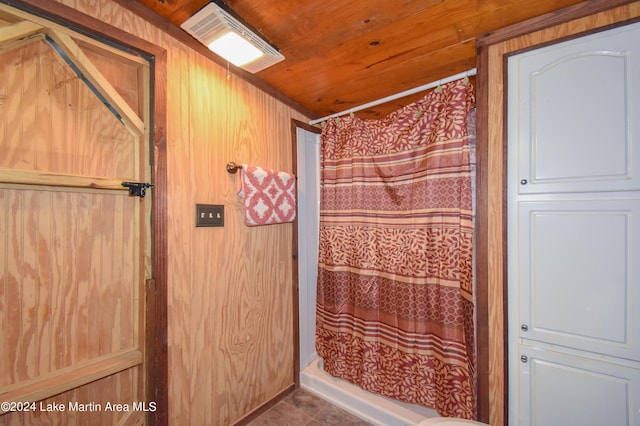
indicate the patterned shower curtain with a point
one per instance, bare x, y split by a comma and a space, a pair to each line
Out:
395, 306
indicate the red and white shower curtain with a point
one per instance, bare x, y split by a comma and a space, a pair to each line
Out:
395, 306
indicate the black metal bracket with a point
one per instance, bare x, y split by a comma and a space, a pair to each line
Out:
137, 188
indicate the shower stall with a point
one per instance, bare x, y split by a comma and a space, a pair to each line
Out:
371, 407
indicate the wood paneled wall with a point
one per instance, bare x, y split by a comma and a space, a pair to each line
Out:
230, 331
494, 49
230, 289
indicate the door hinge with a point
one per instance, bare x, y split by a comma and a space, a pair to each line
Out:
137, 188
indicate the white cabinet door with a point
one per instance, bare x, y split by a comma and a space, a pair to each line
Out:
579, 274
578, 114
574, 231
560, 389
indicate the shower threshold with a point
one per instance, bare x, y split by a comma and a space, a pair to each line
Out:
373, 408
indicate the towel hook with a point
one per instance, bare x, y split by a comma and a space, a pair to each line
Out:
232, 167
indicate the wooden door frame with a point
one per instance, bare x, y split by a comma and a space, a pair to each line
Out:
491, 222
156, 288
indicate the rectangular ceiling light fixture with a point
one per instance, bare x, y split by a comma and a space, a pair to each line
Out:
225, 35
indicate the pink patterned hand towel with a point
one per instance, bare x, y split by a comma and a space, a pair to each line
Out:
269, 196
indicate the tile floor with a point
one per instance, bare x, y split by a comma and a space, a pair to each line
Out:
301, 408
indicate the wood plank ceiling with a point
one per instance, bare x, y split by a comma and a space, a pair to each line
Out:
343, 53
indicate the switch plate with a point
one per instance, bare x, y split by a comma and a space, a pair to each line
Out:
209, 215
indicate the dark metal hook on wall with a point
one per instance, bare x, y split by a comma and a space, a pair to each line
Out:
233, 167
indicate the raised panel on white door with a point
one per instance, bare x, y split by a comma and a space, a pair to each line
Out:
578, 114
579, 274
559, 389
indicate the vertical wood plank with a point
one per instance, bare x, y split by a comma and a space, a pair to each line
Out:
204, 260
122, 283
106, 284
12, 78
71, 88
495, 232
61, 138
82, 266
45, 281
29, 287
13, 291
4, 248
73, 280
4, 111
41, 101
181, 192
60, 252
28, 112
